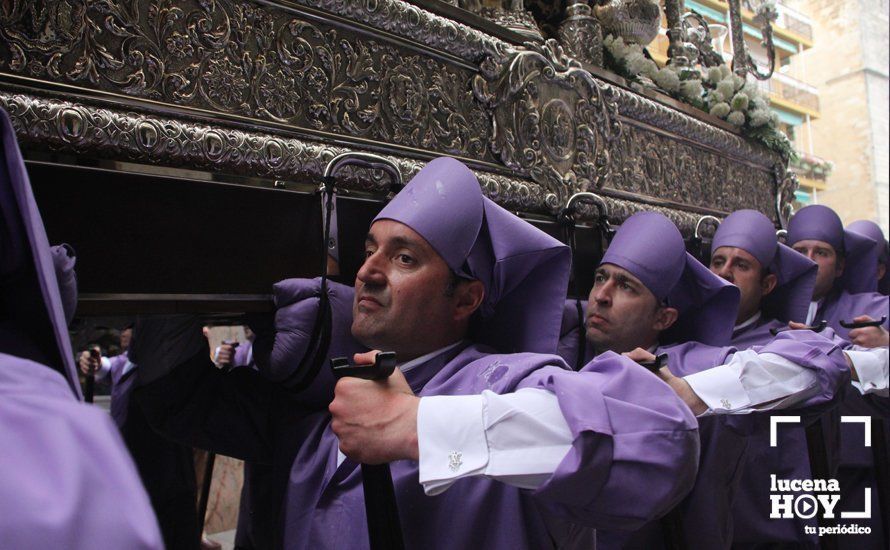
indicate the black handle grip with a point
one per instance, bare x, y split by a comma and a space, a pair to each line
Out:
863, 324
381, 508
819, 327
383, 366
655, 366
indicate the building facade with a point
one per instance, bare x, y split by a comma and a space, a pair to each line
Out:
848, 63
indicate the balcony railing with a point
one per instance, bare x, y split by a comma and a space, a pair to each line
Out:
791, 90
812, 167
794, 21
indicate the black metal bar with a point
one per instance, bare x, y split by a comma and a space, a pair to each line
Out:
818, 327
863, 324
381, 509
89, 389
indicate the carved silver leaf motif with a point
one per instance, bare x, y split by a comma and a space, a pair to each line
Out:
410, 90
243, 59
551, 119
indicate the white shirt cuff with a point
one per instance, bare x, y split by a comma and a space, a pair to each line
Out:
104, 368
720, 389
517, 438
451, 440
871, 369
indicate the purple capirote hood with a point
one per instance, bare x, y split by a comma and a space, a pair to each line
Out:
820, 223
753, 232
650, 246
525, 271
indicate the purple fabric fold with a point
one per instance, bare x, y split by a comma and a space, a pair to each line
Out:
27, 274
67, 480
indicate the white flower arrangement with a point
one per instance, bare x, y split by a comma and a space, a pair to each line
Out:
720, 92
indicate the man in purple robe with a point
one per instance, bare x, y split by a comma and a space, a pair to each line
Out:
491, 442
118, 369
649, 293
873, 231
66, 480
776, 285
845, 290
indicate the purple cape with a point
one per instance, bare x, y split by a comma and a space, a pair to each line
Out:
121, 387
67, 480
706, 512
30, 291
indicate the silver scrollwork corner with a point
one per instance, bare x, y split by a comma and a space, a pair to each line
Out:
551, 120
787, 184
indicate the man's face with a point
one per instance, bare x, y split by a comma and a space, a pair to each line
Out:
831, 266
400, 293
126, 336
744, 271
622, 314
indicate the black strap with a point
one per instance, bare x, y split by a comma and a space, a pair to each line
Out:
320, 339
567, 221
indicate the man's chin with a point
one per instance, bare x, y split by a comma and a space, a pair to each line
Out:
600, 341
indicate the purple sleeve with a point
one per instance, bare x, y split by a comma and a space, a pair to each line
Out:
296, 303
635, 450
821, 355
66, 479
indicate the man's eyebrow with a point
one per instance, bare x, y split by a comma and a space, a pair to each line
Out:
624, 279
369, 239
404, 242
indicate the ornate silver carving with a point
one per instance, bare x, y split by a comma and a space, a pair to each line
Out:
636, 21
786, 184
236, 58
581, 36
63, 126
414, 23
654, 165
635, 108
515, 19
556, 125
552, 120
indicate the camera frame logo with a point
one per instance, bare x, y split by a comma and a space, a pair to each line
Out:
806, 498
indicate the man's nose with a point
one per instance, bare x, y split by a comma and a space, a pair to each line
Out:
602, 294
726, 272
371, 272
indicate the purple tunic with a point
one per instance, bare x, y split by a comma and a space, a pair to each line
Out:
857, 466
121, 387
68, 481
788, 460
631, 461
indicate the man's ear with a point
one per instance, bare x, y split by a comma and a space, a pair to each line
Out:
840, 265
665, 317
468, 297
768, 284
